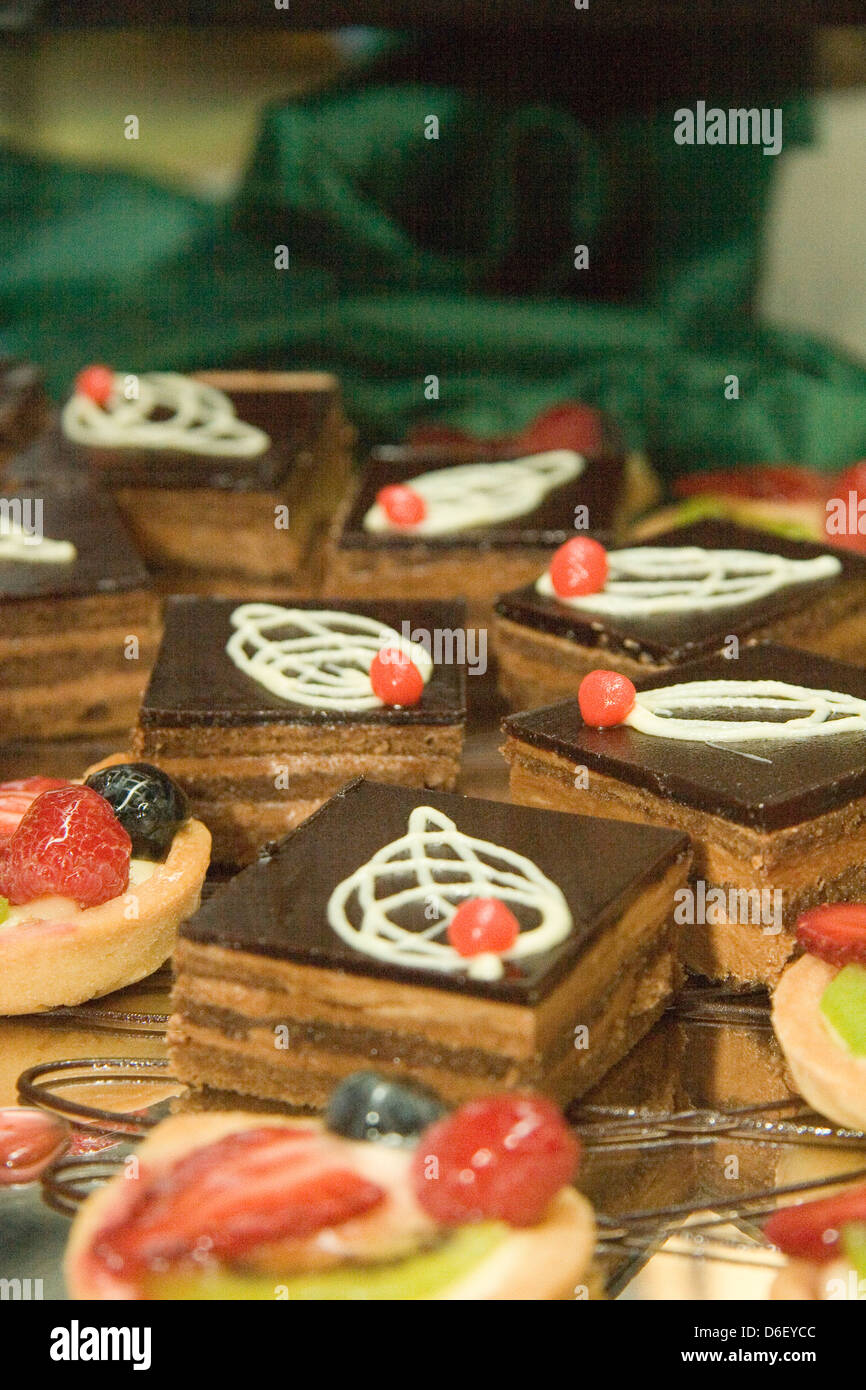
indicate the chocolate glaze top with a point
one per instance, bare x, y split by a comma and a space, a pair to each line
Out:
599, 488
277, 907
292, 419
472, 451
765, 785
670, 638
106, 560
194, 682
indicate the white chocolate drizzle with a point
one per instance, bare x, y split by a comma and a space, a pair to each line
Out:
813, 713
482, 494
428, 873
171, 412
324, 663
16, 543
646, 580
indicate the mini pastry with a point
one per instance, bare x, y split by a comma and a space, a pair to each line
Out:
94, 882
261, 712
225, 479
825, 1242
647, 609
761, 761
468, 529
465, 944
79, 623
819, 1012
475, 1205
22, 402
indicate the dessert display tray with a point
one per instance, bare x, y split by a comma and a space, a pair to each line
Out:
688, 1143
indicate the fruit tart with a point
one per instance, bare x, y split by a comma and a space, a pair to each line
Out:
95, 879
825, 1242
819, 1012
389, 1198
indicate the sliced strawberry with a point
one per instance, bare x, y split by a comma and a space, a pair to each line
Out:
567, 426
69, 842
836, 932
852, 480
813, 1230
252, 1187
785, 483
17, 797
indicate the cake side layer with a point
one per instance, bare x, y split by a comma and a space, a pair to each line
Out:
804, 865
473, 572
285, 1031
35, 619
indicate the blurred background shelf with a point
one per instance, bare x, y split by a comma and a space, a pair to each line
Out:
329, 14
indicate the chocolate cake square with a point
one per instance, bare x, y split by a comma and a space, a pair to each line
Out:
22, 402
723, 581
336, 953
251, 521
256, 751
777, 816
489, 523
79, 624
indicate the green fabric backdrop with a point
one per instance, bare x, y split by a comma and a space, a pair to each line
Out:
454, 257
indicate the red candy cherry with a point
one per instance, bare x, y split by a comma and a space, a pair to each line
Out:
578, 567
835, 931
402, 505
395, 678
812, 1230
71, 843
97, 383
500, 1159
605, 698
483, 924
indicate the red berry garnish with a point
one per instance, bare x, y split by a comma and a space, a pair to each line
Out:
252, 1187
835, 931
402, 505
501, 1159
97, 383
395, 678
605, 698
812, 1230
578, 567
71, 843
483, 924
16, 797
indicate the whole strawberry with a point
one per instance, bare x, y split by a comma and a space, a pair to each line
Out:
500, 1159
69, 842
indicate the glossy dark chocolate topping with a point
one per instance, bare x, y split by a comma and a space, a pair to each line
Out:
671, 638
766, 785
277, 907
195, 683
292, 419
598, 488
106, 560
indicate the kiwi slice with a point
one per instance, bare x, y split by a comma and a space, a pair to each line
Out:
854, 1245
843, 1004
418, 1277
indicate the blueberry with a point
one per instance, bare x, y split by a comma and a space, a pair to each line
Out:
148, 804
369, 1106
